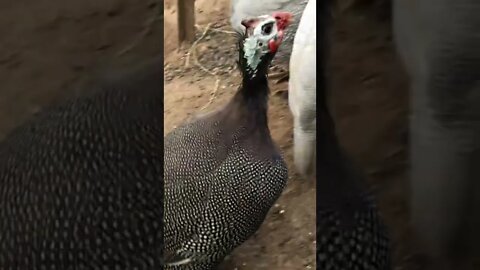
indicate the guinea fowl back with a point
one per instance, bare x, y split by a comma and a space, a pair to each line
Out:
204, 156
350, 231
81, 182
223, 172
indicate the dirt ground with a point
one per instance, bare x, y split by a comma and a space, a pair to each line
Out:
369, 101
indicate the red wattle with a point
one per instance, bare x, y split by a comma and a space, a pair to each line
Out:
272, 45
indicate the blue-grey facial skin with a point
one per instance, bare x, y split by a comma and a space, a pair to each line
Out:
256, 45
438, 42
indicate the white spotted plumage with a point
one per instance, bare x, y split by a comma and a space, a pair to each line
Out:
215, 202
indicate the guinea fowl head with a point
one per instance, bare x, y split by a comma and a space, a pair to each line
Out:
257, 47
261, 40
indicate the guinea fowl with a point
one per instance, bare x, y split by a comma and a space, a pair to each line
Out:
247, 8
223, 172
302, 91
81, 182
350, 232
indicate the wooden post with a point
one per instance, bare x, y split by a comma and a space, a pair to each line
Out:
186, 20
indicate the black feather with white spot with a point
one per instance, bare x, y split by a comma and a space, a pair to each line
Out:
362, 243
81, 183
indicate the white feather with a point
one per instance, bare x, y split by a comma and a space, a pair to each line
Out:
302, 91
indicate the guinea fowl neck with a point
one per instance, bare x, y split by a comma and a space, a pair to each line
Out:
339, 181
329, 156
252, 96
254, 91
251, 102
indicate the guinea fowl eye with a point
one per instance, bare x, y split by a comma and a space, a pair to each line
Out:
267, 28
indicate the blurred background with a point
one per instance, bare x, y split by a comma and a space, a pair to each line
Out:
369, 100
49, 49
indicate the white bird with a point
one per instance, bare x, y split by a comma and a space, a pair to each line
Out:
302, 91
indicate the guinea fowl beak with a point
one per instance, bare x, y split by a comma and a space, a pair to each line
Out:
284, 19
